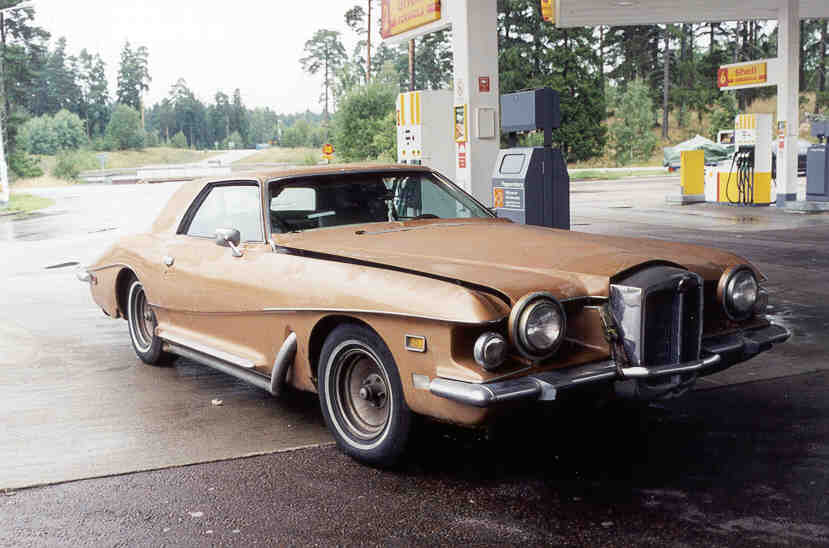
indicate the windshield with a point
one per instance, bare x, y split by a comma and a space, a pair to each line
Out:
336, 200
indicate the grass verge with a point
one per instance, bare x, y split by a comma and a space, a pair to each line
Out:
282, 155
25, 203
597, 175
126, 159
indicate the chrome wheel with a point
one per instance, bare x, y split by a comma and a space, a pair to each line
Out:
142, 319
360, 390
361, 395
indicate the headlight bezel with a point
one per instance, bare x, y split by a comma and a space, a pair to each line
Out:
725, 289
517, 325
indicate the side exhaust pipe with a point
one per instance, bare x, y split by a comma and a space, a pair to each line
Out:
283, 361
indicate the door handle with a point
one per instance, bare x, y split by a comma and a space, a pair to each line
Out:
169, 260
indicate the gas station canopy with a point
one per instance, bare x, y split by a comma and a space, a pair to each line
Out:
577, 13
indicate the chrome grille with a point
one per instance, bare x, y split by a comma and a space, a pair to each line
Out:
659, 311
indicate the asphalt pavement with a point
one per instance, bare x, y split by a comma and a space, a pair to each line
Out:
139, 456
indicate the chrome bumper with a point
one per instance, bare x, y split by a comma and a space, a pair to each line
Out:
718, 353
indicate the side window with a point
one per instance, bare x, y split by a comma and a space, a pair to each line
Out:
295, 199
438, 203
233, 206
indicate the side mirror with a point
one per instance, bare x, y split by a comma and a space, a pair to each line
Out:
229, 237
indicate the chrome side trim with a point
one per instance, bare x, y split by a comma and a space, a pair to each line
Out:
86, 276
328, 310
113, 265
244, 363
246, 375
272, 310
283, 361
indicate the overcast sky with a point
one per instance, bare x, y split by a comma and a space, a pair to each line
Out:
254, 45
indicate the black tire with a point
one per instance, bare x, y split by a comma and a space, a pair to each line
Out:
142, 323
372, 426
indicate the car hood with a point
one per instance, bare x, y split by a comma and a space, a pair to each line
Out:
514, 259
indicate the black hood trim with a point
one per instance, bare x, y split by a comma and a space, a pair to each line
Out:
371, 264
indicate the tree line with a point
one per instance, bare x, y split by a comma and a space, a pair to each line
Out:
54, 100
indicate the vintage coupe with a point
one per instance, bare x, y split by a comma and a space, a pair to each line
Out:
389, 291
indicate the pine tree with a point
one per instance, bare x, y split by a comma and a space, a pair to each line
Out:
133, 75
324, 53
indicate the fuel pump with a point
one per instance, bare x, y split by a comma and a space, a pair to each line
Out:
530, 185
748, 180
424, 130
817, 164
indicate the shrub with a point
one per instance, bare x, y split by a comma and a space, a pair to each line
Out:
298, 135
49, 134
234, 141
631, 134
69, 129
125, 130
152, 139
102, 144
385, 141
724, 113
179, 140
23, 164
822, 100
364, 113
69, 164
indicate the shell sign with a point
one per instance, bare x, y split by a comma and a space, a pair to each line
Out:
746, 74
399, 16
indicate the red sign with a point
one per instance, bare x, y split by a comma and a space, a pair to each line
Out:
461, 159
483, 84
328, 149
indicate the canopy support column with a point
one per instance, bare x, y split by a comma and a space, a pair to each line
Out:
788, 94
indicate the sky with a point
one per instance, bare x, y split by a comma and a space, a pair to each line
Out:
254, 45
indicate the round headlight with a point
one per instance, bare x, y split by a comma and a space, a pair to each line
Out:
740, 293
538, 325
490, 350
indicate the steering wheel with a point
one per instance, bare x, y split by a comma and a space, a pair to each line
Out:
283, 226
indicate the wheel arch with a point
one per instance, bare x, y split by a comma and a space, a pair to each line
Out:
122, 287
320, 332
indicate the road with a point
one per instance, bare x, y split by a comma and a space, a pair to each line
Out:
229, 157
742, 460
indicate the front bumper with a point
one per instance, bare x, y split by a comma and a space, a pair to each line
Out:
718, 353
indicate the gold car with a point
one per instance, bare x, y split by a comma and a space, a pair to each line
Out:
389, 291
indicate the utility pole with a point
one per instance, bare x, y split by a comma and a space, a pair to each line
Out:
368, 45
412, 65
4, 169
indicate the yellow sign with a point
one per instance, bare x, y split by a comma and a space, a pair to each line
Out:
548, 10
460, 124
399, 16
746, 74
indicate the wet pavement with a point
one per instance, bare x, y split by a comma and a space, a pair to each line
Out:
744, 460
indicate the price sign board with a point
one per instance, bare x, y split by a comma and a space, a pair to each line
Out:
399, 16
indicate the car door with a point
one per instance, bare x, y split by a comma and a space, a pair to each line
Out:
214, 297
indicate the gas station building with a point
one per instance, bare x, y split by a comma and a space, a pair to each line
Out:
475, 111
